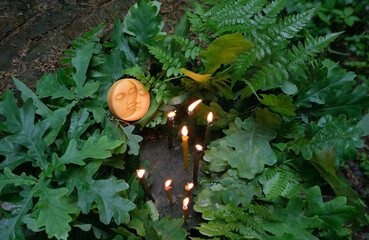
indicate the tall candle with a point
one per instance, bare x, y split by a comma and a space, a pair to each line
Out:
186, 215
196, 162
141, 176
171, 116
167, 190
185, 147
208, 129
190, 118
188, 188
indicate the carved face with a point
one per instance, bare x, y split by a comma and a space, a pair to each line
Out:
127, 100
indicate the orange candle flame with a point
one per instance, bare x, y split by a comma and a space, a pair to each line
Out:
193, 105
171, 115
140, 173
184, 131
167, 184
186, 201
210, 118
198, 147
189, 186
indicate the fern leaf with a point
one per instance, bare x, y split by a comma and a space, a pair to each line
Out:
171, 64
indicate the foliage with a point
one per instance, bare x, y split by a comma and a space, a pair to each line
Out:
285, 118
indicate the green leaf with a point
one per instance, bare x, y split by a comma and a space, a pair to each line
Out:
49, 86
105, 193
281, 104
92, 148
328, 131
324, 89
132, 140
79, 123
14, 153
96, 109
81, 62
224, 50
20, 122
292, 215
217, 155
170, 229
206, 206
364, 125
334, 213
42, 109
324, 163
10, 224
52, 210
10, 178
142, 21
57, 120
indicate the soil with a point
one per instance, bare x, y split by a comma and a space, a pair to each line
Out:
33, 34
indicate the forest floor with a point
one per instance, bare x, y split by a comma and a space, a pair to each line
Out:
33, 34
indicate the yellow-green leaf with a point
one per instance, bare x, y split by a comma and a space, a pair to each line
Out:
197, 77
224, 50
281, 104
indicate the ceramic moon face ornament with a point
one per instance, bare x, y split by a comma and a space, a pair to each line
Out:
127, 100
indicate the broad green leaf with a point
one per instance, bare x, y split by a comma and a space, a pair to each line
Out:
10, 223
142, 21
87, 90
364, 125
81, 62
21, 122
105, 193
323, 89
10, 178
334, 213
42, 109
281, 104
324, 163
57, 120
206, 206
52, 211
79, 123
97, 110
224, 50
338, 132
116, 132
92, 149
170, 229
250, 141
291, 222
49, 86
14, 153
217, 155
221, 118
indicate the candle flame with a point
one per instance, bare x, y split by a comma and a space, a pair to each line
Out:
198, 147
171, 114
140, 173
186, 201
193, 105
167, 183
210, 117
189, 186
184, 131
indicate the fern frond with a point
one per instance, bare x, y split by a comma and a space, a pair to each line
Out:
171, 64
190, 49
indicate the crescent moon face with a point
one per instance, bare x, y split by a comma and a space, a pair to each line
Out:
127, 100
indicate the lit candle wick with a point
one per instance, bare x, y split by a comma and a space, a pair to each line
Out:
186, 201
208, 129
188, 188
171, 116
141, 176
167, 190
199, 149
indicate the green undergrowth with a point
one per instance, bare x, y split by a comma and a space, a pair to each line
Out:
286, 117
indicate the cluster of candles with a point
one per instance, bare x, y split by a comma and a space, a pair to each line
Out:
198, 149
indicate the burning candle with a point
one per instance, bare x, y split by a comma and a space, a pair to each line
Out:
185, 147
167, 190
186, 215
171, 116
208, 129
190, 117
196, 162
141, 176
188, 188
